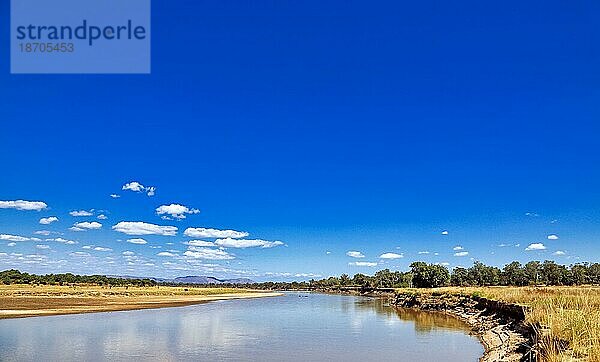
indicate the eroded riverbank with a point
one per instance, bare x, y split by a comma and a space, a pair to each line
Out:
500, 326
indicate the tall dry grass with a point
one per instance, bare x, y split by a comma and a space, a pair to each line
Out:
567, 314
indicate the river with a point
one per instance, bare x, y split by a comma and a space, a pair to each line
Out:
293, 327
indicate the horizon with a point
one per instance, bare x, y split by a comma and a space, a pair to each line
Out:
289, 142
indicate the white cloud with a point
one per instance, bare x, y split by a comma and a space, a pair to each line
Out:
200, 243
134, 186
115, 196
100, 248
355, 254
246, 243
80, 213
445, 232
458, 247
81, 226
128, 253
11, 244
48, 220
175, 211
552, 237
206, 253
363, 263
79, 254
214, 233
423, 252
138, 187
63, 241
142, 228
307, 275
102, 217
165, 253
9, 237
461, 253
559, 252
536, 246
42, 246
137, 241
391, 256
23, 205
533, 214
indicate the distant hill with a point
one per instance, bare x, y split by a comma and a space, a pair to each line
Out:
190, 279
194, 279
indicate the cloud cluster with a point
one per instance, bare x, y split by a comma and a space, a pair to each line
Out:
391, 256
48, 220
363, 263
207, 253
535, 246
143, 228
138, 187
246, 243
552, 237
355, 254
63, 241
199, 243
175, 211
461, 253
78, 213
86, 225
214, 233
138, 241
165, 253
23, 205
9, 237
96, 248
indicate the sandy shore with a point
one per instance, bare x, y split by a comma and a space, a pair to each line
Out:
26, 301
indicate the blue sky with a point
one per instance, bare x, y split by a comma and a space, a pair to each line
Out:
327, 126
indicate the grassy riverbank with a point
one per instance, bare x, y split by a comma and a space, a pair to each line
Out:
28, 300
570, 314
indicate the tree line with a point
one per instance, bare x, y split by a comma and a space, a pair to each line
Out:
14, 276
420, 275
423, 275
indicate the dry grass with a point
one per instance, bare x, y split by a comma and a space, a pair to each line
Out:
570, 314
27, 300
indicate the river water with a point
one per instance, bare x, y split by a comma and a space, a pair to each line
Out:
293, 327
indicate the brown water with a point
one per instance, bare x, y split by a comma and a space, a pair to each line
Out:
294, 327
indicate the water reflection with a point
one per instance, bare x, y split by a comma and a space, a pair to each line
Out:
289, 328
424, 322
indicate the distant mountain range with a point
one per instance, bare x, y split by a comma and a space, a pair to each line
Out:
190, 279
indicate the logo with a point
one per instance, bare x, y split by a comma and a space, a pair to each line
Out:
80, 36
